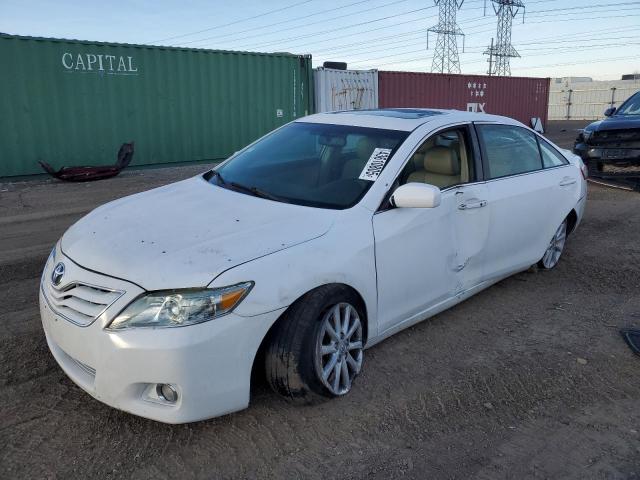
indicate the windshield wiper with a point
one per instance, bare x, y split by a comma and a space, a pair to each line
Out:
256, 192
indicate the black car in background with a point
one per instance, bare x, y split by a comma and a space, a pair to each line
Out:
611, 147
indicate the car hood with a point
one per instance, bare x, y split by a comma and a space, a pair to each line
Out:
187, 233
615, 122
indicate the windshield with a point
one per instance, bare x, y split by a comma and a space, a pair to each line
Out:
631, 106
312, 164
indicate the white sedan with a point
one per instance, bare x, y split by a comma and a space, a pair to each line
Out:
321, 239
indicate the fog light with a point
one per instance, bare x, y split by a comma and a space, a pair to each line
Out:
167, 392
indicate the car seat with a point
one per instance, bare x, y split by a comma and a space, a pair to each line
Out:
353, 167
440, 167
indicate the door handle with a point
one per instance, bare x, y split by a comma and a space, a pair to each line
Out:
567, 181
473, 203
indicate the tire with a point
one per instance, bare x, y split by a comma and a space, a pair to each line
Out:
294, 362
554, 251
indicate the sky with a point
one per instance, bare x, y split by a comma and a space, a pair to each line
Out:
559, 38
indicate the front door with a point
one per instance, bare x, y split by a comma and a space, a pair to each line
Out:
426, 256
414, 260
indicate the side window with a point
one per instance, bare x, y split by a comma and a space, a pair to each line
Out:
444, 159
508, 150
550, 156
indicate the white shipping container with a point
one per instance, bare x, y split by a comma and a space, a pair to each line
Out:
588, 100
345, 89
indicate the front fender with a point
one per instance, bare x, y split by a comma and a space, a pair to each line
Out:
345, 254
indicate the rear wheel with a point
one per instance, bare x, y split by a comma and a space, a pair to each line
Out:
556, 247
316, 349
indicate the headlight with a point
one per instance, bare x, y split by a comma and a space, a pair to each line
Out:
52, 255
178, 308
586, 134
50, 261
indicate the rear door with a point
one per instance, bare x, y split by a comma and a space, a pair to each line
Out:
527, 202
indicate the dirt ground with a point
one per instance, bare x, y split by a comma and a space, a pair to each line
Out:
528, 379
564, 132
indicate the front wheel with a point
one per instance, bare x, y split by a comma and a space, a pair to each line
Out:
556, 247
317, 348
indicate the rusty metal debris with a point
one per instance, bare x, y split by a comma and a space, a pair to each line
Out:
87, 173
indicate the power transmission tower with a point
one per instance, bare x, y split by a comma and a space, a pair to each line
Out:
445, 58
502, 51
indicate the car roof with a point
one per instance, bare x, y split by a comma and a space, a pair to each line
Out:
405, 119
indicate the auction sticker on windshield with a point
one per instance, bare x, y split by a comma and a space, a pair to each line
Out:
375, 164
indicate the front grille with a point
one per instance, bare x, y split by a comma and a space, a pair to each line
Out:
629, 138
80, 303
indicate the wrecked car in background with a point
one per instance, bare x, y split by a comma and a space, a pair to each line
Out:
611, 147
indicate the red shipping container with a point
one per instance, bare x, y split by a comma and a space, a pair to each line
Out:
521, 98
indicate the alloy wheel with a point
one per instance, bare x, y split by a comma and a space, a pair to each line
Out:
339, 349
552, 255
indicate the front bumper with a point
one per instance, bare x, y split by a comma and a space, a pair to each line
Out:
209, 364
610, 163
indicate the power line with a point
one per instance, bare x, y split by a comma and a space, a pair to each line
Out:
598, 60
599, 5
339, 37
394, 40
563, 20
564, 38
289, 20
235, 22
303, 25
331, 30
589, 61
261, 45
541, 52
375, 39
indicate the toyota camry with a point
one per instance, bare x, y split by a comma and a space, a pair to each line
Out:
310, 245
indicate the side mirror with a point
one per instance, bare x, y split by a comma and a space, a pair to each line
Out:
416, 195
609, 111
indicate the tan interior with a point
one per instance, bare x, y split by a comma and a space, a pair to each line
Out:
353, 167
439, 165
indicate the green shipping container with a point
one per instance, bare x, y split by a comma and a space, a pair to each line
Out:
73, 102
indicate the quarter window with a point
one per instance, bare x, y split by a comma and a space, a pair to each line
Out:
550, 156
508, 150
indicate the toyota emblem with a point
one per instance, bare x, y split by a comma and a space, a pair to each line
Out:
56, 275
